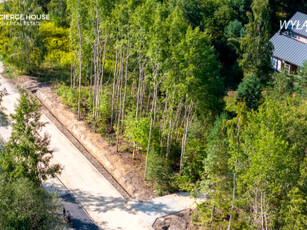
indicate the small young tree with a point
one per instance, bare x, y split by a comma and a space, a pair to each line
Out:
250, 91
1, 113
283, 85
26, 153
234, 29
3, 120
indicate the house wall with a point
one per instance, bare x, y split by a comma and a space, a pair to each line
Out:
276, 63
293, 69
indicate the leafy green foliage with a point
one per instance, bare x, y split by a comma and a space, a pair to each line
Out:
57, 10
154, 73
265, 153
192, 11
301, 81
56, 44
256, 49
285, 84
136, 131
274, 153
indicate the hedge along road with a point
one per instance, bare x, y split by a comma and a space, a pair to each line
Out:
103, 203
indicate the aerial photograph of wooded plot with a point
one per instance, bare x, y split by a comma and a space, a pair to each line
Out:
153, 114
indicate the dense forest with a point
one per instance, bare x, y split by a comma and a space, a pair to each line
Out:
188, 84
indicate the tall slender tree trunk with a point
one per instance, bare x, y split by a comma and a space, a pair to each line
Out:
113, 91
71, 69
168, 146
138, 95
103, 63
97, 45
164, 121
173, 126
153, 111
256, 206
125, 87
143, 88
188, 118
80, 66
94, 85
119, 97
233, 200
148, 102
212, 216
169, 120
262, 212
91, 78
75, 69
265, 213
234, 176
27, 48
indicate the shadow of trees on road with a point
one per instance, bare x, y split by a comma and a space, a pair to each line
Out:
102, 203
80, 219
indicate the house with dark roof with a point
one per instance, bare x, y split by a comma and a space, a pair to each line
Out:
290, 44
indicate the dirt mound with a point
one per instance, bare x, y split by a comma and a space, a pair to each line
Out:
178, 221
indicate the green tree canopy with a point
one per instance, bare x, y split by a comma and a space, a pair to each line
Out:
24, 205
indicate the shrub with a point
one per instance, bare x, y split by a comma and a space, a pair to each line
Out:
160, 174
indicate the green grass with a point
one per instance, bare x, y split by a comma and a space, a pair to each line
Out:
10, 71
52, 75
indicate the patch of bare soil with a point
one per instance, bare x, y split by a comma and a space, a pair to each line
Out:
126, 171
178, 221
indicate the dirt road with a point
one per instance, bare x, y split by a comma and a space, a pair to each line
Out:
104, 204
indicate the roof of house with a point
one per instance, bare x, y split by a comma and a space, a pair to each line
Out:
301, 18
289, 49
